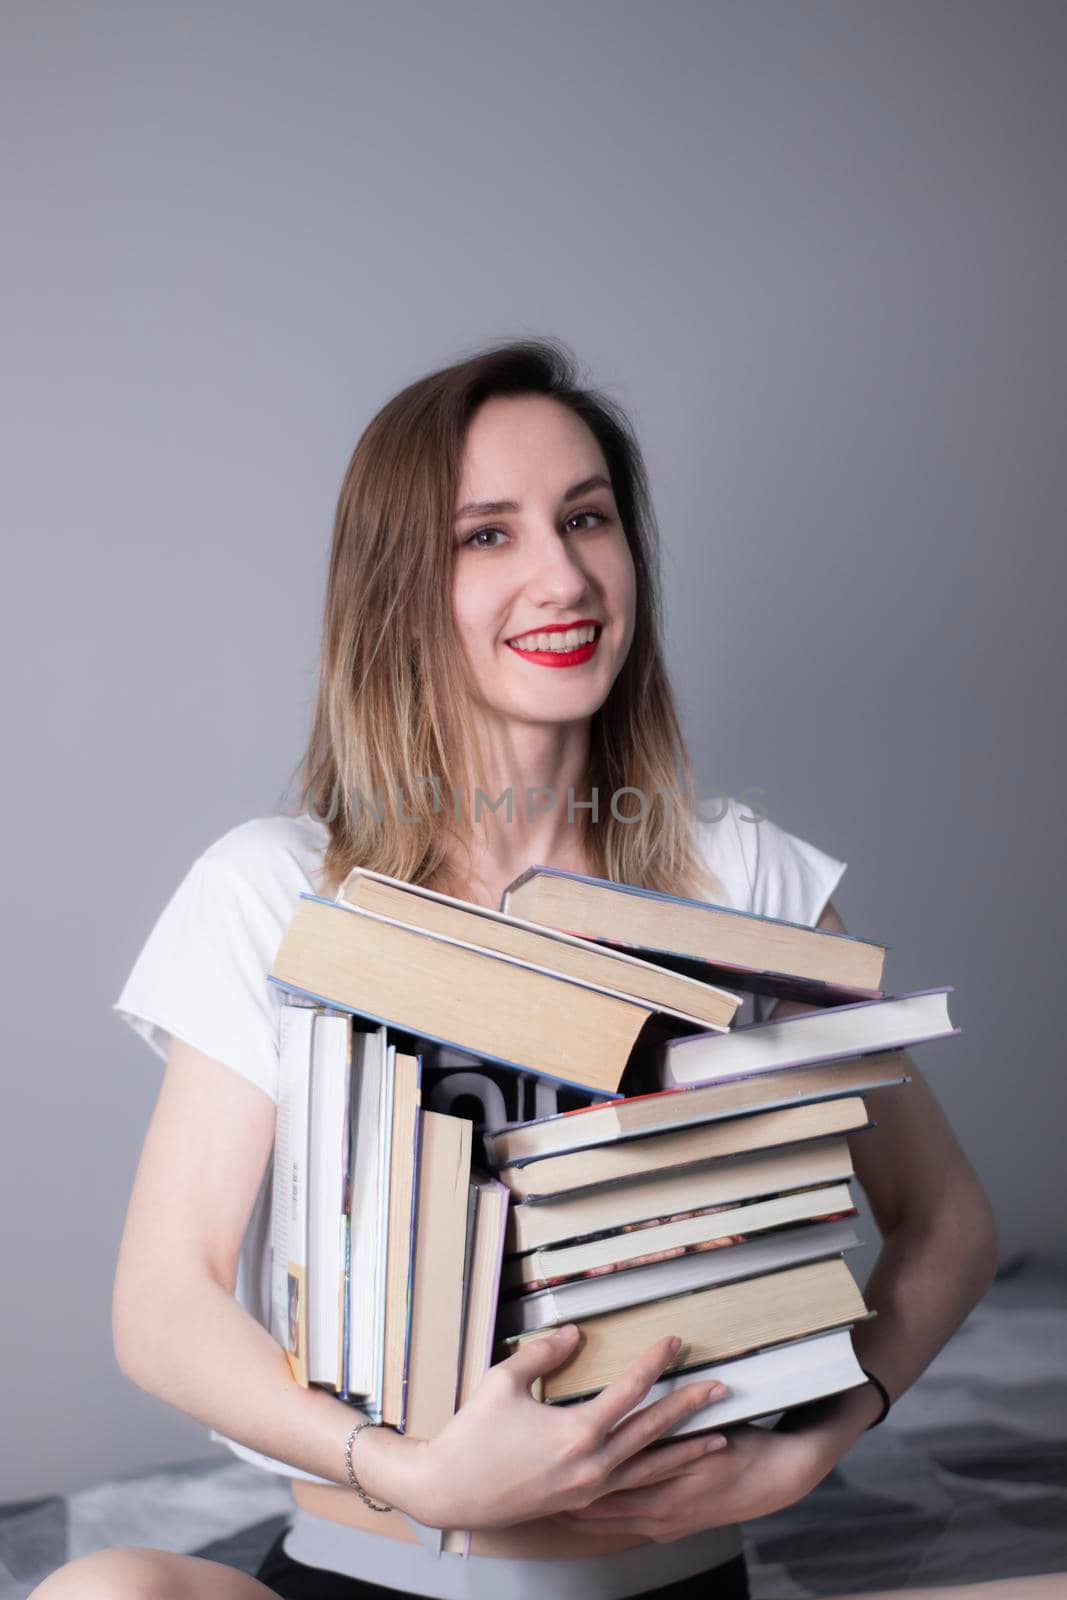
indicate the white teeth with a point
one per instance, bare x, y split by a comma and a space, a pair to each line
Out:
556, 641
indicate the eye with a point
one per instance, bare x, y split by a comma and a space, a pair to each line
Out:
469, 540
599, 516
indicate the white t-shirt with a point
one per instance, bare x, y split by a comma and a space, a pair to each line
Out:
202, 977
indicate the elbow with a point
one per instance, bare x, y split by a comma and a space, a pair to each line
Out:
157, 1319
960, 1228
976, 1229
972, 1228
987, 1241
123, 1341
136, 1331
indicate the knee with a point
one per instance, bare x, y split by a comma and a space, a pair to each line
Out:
125, 1573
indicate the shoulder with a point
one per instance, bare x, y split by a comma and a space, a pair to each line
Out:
202, 974
247, 883
272, 854
763, 867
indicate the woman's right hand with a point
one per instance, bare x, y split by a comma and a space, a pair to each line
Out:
506, 1458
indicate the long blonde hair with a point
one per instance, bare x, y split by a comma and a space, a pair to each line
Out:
391, 710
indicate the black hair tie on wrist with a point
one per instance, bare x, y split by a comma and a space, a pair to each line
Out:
884, 1392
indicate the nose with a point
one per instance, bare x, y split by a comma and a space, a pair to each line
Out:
556, 575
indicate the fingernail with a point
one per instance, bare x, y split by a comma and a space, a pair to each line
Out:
714, 1441
674, 1346
716, 1390
567, 1329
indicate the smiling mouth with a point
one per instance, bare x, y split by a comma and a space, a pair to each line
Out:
557, 641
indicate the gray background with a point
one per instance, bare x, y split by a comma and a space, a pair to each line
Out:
816, 249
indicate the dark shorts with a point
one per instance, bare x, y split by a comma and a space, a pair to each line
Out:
293, 1579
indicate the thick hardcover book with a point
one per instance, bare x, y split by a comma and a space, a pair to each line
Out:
680, 1274
613, 971
327, 1197
539, 1224
371, 1122
830, 1034
641, 1243
765, 955
670, 1109
438, 1291
289, 1213
479, 1318
400, 1253
732, 1319
425, 985
767, 1382
661, 1154
440, 1252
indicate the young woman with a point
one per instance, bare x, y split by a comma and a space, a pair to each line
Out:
487, 510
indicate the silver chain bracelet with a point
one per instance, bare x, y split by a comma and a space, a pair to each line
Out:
353, 1481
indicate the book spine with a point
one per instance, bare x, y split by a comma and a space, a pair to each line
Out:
289, 1244
411, 1258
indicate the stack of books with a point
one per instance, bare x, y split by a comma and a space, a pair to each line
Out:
386, 1246
698, 1183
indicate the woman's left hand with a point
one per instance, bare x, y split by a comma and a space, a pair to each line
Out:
755, 1473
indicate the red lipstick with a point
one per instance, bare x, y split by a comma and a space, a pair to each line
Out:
561, 658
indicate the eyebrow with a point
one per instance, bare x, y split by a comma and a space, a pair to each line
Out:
497, 508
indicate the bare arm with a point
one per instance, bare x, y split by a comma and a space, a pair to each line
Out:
938, 1257
939, 1249
180, 1334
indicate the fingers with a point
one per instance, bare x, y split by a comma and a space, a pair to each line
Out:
534, 1357
651, 1422
646, 1504
589, 1519
656, 1466
616, 1399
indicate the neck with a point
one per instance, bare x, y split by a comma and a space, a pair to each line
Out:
524, 810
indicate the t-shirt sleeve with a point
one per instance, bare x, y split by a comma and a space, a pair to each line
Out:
792, 879
202, 975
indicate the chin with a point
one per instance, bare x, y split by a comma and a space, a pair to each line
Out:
536, 712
